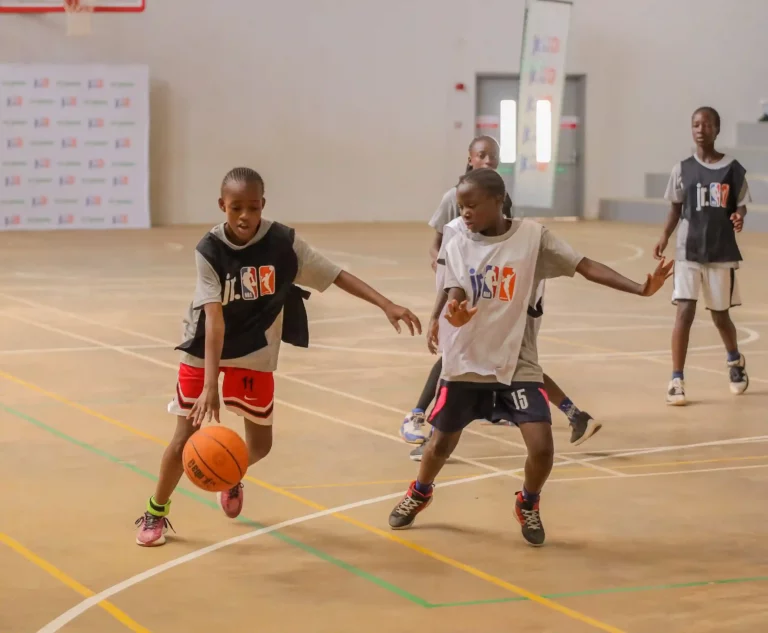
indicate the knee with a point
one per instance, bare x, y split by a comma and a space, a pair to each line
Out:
686, 311
175, 448
543, 451
441, 446
721, 319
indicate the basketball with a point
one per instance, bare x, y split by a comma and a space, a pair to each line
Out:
215, 458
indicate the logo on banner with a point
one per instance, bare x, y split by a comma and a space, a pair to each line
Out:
69, 102
119, 181
39, 201
95, 84
69, 142
42, 163
93, 201
120, 219
15, 143
123, 102
12, 181
123, 143
42, 83
14, 102
43, 122
67, 219
95, 123
97, 163
12, 220
67, 180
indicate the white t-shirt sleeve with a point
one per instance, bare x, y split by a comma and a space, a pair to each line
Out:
675, 192
452, 267
745, 197
207, 285
446, 212
316, 271
557, 258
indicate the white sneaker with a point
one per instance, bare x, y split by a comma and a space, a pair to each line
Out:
414, 428
738, 375
676, 393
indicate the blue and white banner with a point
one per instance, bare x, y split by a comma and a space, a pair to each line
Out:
74, 147
542, 82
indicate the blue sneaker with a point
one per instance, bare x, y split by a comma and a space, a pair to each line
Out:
414, 428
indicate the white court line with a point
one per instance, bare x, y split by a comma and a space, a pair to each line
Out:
370, 258
69, 615
56, 350
638, 253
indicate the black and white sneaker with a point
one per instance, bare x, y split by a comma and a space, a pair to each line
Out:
676, 393
527, 514
404, 513
737, 371
583, 426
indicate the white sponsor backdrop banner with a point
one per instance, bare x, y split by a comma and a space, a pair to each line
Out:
74, 147
542, 78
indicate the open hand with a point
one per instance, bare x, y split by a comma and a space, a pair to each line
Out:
432, 335
457, 314
206, 406
656, 279
661, 245
396, 313
738, 221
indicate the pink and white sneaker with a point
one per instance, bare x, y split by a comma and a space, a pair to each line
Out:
152, 529
231, 501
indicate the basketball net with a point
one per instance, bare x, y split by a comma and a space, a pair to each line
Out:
78, 13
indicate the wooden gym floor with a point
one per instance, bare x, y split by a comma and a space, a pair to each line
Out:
657, 525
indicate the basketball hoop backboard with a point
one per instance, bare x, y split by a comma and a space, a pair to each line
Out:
57, 6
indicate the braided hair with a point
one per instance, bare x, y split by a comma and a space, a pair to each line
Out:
244, 175
486, 179
507, 208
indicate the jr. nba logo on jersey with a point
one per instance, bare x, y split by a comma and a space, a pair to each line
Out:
716, 196
507, 284
490, 282
250, 291
493, 283
266, 280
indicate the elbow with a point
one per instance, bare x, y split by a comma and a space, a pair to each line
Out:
585, 268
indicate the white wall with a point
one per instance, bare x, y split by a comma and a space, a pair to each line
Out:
347, 106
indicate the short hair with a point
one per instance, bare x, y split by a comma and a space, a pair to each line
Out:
244, 175
711, 111
488, 180
475, 141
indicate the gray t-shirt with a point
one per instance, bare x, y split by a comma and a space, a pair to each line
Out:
676, 193
447, 211
556, 259
314, 271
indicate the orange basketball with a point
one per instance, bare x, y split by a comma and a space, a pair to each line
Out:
215, 458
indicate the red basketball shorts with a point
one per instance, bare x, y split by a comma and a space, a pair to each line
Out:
245, 392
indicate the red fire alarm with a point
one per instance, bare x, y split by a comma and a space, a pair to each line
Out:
460, 87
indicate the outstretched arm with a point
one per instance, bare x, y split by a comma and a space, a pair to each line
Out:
601, 274
395, 313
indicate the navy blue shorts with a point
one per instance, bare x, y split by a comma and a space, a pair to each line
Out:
460, 403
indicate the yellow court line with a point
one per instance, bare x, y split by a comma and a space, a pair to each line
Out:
477, 573
59, 575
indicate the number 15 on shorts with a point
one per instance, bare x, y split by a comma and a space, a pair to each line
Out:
519, 399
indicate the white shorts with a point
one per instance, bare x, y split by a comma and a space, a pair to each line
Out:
718, 284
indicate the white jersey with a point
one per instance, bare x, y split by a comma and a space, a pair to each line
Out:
497, 275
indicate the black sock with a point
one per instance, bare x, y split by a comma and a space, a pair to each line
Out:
430, 388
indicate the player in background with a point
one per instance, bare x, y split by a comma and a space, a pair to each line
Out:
482, 336
709, 194
484, 153
245, 303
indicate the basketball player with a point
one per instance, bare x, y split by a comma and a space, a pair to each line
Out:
483, 335
245, 302
484, 152
709, 193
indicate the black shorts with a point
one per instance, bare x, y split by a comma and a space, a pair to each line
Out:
460, 403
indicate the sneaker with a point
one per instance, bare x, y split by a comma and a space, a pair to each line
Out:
417, 452
413, 429
152, 529
404, 514
738, 374
583, 426
527, 515
676, 393
231, 501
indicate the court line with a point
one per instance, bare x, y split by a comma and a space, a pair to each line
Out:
214, 506
57, 350
71, 583
606, 591
64, 618
94, 599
